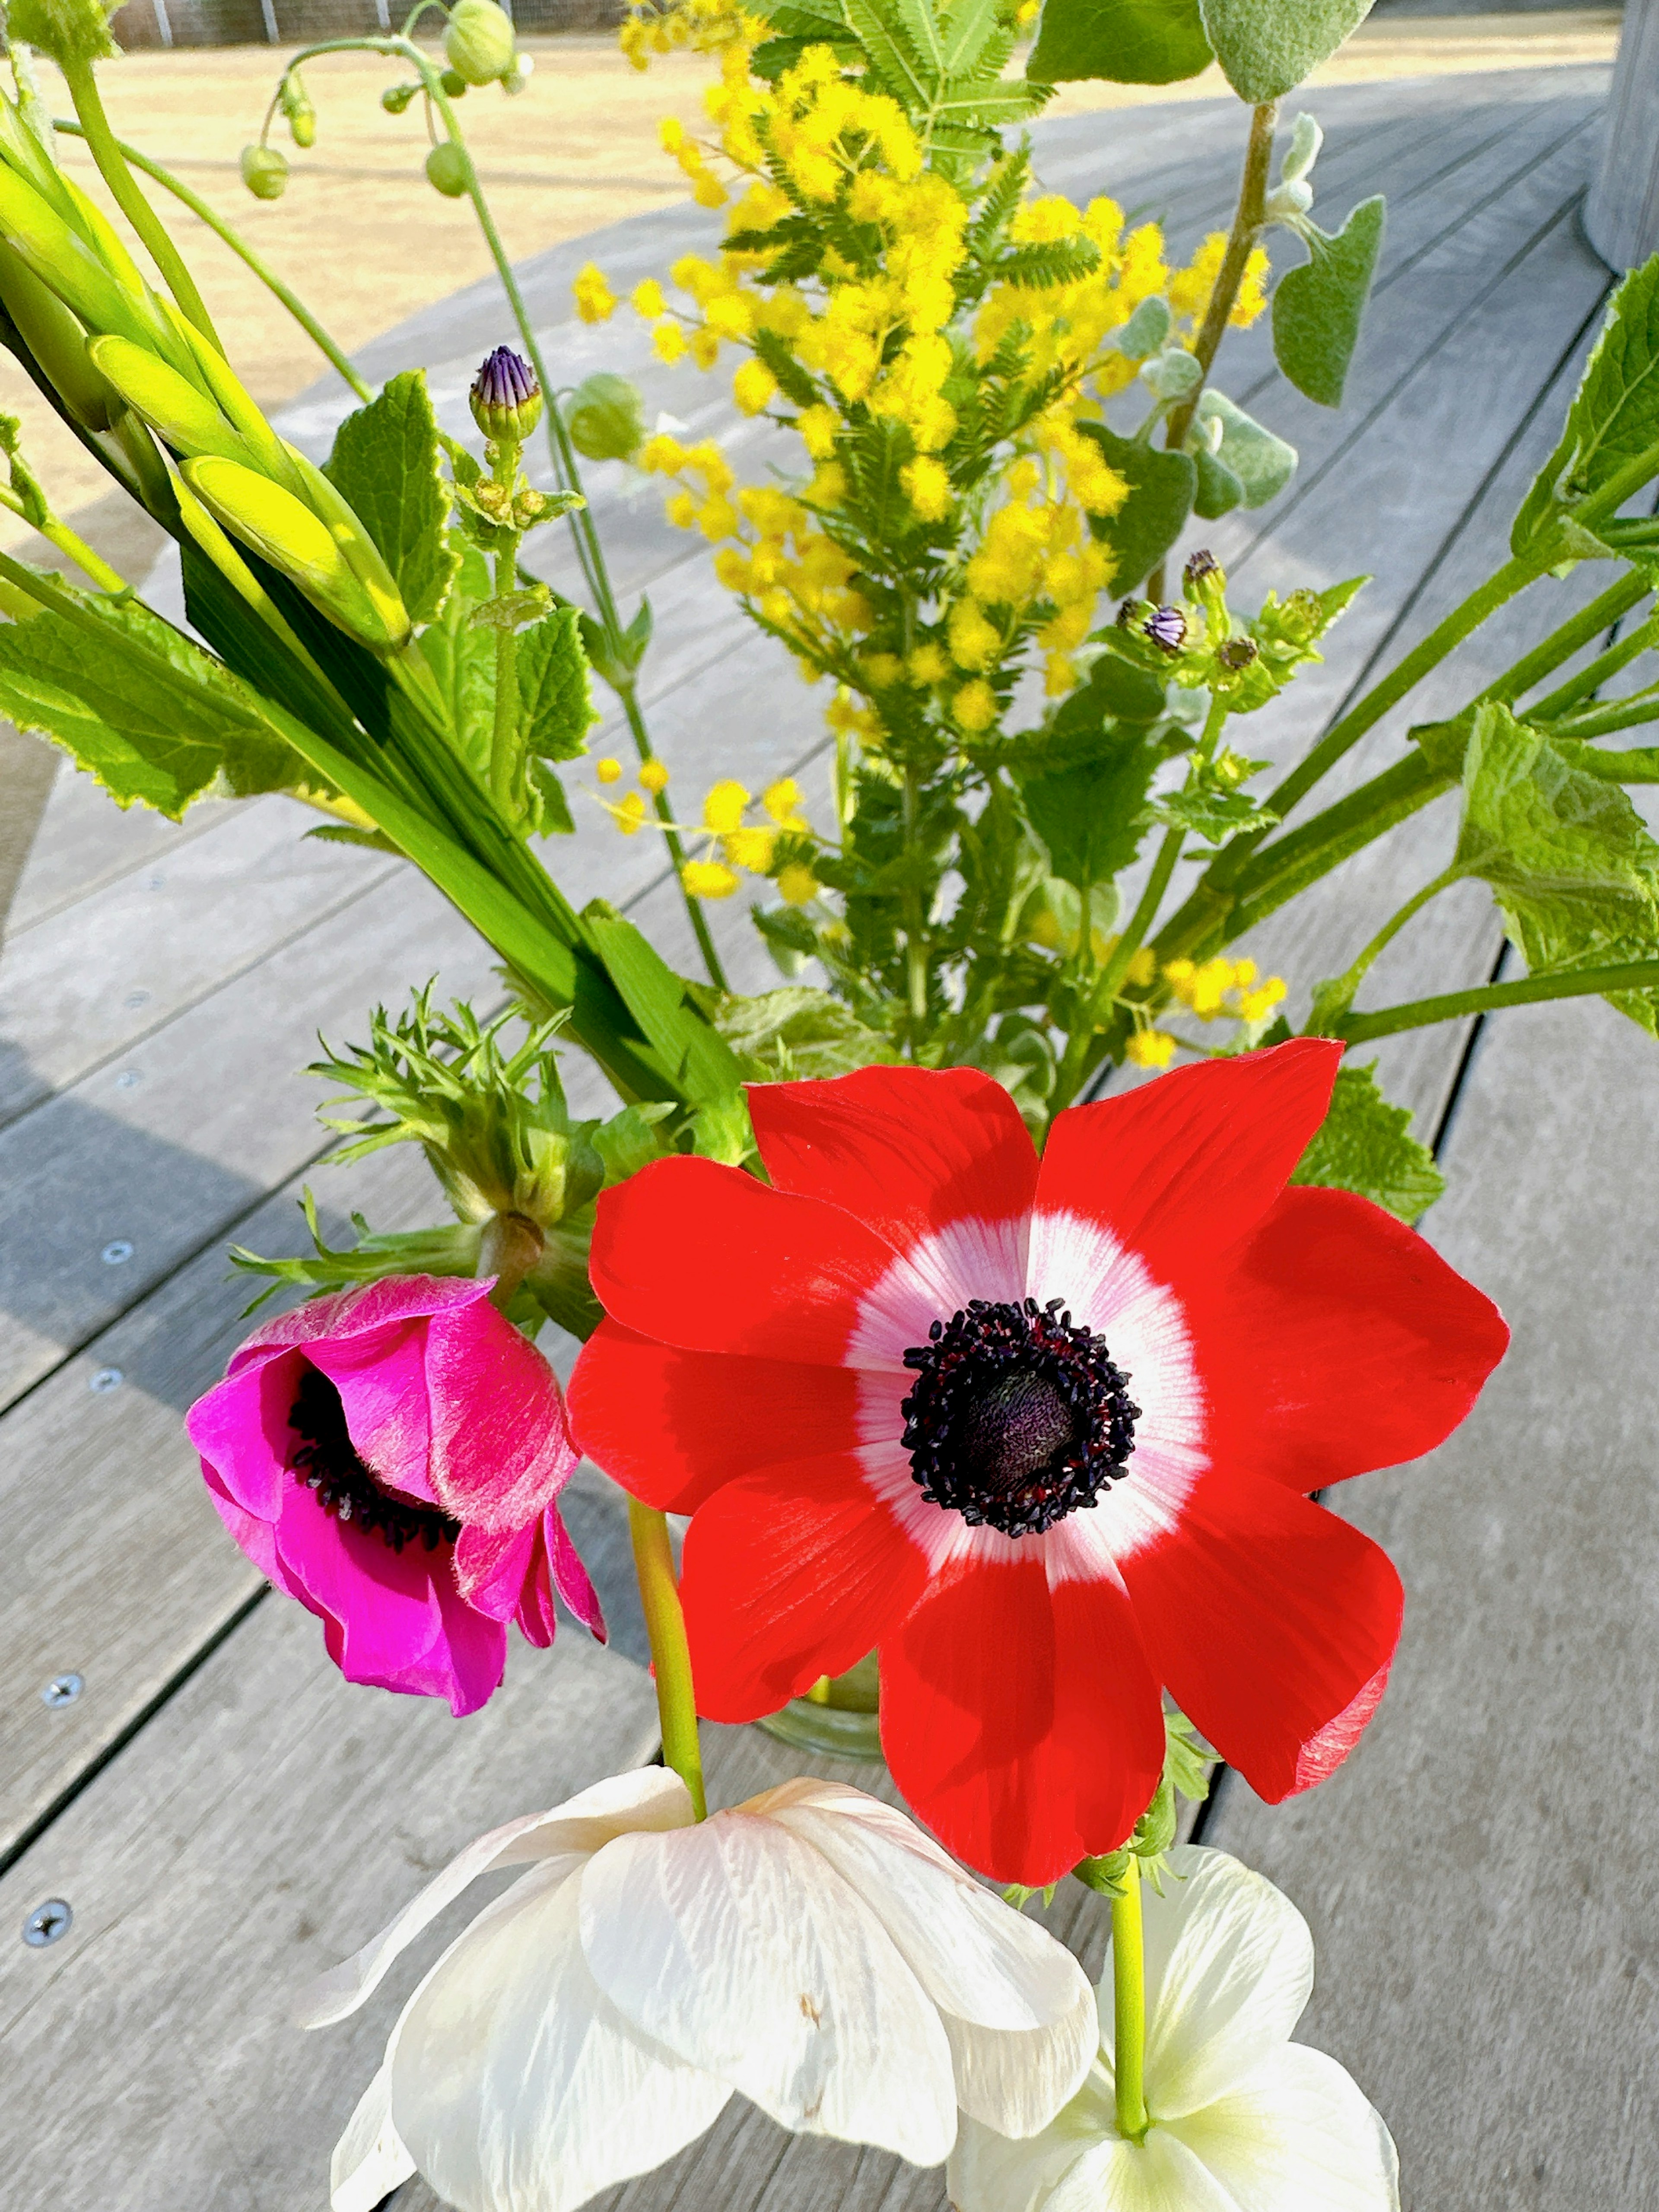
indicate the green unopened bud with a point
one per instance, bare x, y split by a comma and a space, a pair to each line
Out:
446, 170
396, 97
479, 41
57, 343
264, 172
506, 399
73, 32
290, 537
302, 115
181, 413
606, 417
63, 261
518, 77
453, 83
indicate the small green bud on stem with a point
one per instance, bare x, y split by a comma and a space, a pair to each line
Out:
264, 172
396, 97
454, 84
446, 170
479, 42
606, 417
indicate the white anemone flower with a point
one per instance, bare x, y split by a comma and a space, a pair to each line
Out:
811, 1949
1242, 2119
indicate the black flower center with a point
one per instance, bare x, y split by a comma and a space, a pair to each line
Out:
1017, 1418
326, 1460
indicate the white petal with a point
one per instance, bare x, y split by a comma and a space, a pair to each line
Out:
1229, 1968
1299, 2135
369, 2159
988, 2173
647, 1797
1016, 2006
739, 1947
516, 2084
1159, 2175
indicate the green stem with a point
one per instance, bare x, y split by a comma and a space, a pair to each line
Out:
261, 268
67, 541
1342, 991
671, 1657
509, 1247
113, 167
1595, 673
1602, 612
504, 731
915, 949
1129, 2006
1247, 218
1079, 1046
1641, 766
1617, 714
1491, 997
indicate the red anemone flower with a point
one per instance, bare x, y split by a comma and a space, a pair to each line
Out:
1042, 1433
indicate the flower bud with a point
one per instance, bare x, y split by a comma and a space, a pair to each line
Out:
396, 97
302, 115
57, 343
446, 170
1167, 626
506, 399
518, 77
1200, 565
454, 84
180, 411
606, 416
479, 41
264, 172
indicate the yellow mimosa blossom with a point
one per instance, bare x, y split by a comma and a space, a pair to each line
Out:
653, 774
1150, 1049
595, 300
797, 884
722, 810
708, 879
608, 771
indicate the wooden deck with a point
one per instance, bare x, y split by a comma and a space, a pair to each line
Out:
226, 1817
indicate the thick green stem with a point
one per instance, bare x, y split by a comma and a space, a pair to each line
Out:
1247, 218
113, 167
671, 1657
1491, 997
261, 268
1341, 992
1129, 2006
1602, 612
1079, 1046
68, 541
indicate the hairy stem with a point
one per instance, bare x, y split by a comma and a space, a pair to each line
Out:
238, 244
1247, 218
113, 167
671, 1657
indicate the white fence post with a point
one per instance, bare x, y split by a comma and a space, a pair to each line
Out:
1621, 215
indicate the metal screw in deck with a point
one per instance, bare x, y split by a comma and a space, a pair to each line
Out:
62, 1690
107, 1378
115, 1252
47, 1923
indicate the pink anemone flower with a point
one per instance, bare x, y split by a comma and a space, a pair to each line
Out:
392, 1457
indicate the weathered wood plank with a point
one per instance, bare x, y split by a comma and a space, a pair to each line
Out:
84, 839
268, 1819
1479, 1877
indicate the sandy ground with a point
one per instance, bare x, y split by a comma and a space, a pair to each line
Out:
366, 239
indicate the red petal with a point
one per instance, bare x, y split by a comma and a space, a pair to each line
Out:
672, 1427
1272, 1621
1178, 1169
1023, 1725
1338, 1341
704, 1256
907, 1149
790, 1574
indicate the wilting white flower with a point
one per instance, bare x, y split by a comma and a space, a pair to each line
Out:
811, 1948
1243, 2119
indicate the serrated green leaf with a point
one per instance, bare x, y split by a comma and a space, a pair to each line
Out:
1318, 308
1364, 1145
385, 462
1268, 47
967, 29
1568, 856
796, 1034
553, 689
1125, 41
1163, 486
1091, 818
153, 717
1214, 815
462, 657
1614, 415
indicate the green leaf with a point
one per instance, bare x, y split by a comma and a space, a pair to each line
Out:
148, 714
1126, 41
1574, 869
796, 1034
1091, 818
1262, 462
1614, 415
704, 1068
1162, 488
385, 464
462, 657
1219, 491
1213, 815
1363, 1144
1268, 47
1318, 308
553, 689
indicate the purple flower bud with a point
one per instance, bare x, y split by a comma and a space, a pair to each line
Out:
1167, 626
507, 400
1200, 565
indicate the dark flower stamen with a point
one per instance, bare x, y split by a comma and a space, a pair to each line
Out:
327, 1463
1017, 1418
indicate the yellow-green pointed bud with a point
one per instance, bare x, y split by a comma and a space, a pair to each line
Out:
58, 342
264, 172
185, 417
479, 41
606, 417
361, 555
289, 536
67, 265
302, 115
396, 97
446, 170
73, 32
507, 400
